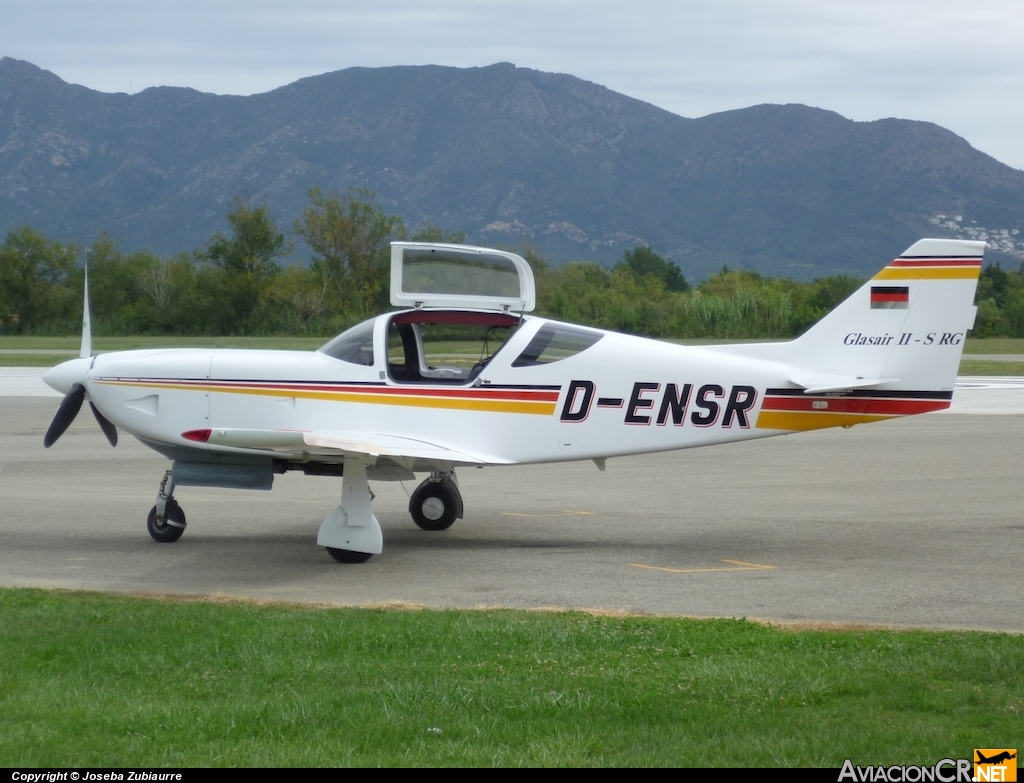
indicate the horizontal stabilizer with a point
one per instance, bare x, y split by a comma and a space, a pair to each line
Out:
821, 384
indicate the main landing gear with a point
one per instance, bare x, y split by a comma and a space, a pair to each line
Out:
166, 521
436, 503
351, 532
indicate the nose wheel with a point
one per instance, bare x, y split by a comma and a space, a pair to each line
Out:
168, 528
166, 520
436, 503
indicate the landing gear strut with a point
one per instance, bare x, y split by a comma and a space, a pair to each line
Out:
437, 502
351, 532
166, 521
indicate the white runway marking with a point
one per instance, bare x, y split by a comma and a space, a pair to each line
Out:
988, 395
24, 382
973, 394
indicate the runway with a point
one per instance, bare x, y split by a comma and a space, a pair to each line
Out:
915, 522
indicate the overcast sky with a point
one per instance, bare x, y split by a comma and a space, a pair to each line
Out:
958, 64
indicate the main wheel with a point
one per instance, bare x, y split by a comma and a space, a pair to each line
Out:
348, 556
160, 530
434, 505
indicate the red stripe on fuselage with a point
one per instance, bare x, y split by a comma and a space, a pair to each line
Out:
403, 391
481, 393
871, 405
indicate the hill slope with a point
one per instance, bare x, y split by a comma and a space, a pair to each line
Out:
509, 155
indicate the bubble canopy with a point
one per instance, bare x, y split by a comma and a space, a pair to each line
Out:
426, 274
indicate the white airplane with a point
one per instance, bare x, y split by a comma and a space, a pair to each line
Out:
387, 399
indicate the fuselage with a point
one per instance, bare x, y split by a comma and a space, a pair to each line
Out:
460, 379
615, 395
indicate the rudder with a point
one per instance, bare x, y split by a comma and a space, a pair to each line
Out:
905, 328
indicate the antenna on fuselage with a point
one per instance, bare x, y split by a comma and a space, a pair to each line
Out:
86, 350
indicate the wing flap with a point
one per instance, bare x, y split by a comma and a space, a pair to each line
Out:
354, 443
381, 445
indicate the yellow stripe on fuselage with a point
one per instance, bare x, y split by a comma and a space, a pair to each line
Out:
411, 401
366, 398
801, 421
929, 273
203, 387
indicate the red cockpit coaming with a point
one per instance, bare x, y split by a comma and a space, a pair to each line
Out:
465, 317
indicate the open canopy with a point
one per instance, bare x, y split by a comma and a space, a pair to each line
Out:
426, 274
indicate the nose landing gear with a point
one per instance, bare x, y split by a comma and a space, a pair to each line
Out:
166, 521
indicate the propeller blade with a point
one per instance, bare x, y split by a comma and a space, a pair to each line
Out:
108, 428
69, 407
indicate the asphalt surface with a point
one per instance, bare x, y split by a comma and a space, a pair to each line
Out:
915, 522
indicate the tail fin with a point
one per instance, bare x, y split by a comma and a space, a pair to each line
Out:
903, 330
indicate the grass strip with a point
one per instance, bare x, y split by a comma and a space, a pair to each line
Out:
982, 345
73, 342
981, 367
95, 680
972, 345
968, 366
32, 359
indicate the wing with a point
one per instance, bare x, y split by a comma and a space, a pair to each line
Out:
395, 448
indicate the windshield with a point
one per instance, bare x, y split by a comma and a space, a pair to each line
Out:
354, 345
554, 342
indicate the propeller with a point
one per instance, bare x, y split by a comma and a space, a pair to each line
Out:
69, 407
60, 375
68, 410
108, 428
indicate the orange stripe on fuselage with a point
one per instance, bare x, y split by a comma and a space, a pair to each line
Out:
798, 414
497, 400
801, 421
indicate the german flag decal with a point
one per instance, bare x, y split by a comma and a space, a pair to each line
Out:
890, 297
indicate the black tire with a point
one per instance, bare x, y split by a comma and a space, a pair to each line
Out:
163, 532
348, 556
435, 505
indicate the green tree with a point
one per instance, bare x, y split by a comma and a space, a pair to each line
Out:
813, 301
428, 232
172, 303
33, 274
116, 287
246, 266
729, 282
308, 294
349, 237
643, 261
994, 284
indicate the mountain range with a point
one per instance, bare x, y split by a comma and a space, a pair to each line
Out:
511, 156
